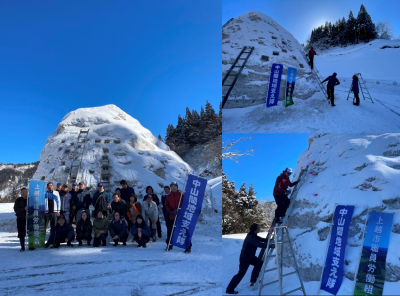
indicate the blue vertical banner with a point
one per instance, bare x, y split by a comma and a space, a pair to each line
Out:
274, 85
332, 276
372, 268
36, 227
189, 212
290, 82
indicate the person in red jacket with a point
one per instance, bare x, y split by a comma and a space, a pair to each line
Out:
173, 205
311, 55
280, 194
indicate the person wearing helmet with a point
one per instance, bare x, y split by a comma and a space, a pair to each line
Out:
248, 257
311, 54
280, 194
355, 90
332, 82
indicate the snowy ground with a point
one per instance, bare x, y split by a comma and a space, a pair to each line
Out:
316, 115
120, 270
232, 245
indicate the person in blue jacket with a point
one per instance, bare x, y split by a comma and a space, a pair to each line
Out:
118, 229
61, 233
332, 82
140, 231
354, 89
126, 191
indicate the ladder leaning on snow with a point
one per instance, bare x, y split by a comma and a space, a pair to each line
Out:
317, 77
266, 254
77, 156
235, 75
363, 88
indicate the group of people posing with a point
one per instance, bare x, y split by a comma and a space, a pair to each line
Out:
333, 81
69, 212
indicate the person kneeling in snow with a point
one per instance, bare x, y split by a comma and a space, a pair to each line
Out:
280, 194
140, 231
118, 229
248, 257
150, 213
61, 233
100, 227
84, 229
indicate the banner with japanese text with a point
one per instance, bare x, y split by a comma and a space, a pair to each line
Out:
290, 82
36, 227
371, 272
189, 212
274, 85
332, 276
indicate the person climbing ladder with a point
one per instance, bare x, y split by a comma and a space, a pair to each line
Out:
280, 194
332, 82
311, 54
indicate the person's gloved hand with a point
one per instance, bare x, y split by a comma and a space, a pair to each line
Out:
287, 191
175, 212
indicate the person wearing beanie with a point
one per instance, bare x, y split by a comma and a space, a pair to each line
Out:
100, 227
248, 257
280, 194
140, 231
20, 209
61, 233
150, 191
118, 229
52, 206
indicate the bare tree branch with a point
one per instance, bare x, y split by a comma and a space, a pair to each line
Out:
233, 155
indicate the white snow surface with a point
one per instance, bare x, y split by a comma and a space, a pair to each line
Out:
310, 111
358, 169
111, 270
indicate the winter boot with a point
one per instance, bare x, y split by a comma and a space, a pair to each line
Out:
144, 246
115, 244
154, 238
104, 243
124, 243
251, 284
88, 243
233, 292
160, 235
187, 251
139, 245
80, 243
69, 244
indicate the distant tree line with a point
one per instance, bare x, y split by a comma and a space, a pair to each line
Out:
352, 31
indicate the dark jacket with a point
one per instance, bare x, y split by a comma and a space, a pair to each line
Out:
119, 207
250, 245
72, 203
282, 183
354, 86
84, 228
164, 209
172, 203
311, 53
155, 198
119, 228
100, 201
19, 207
126, 193
64, 232
82, 199
332, 81
144, 226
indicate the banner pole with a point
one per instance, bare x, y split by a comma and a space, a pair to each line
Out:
176, 216
26, 221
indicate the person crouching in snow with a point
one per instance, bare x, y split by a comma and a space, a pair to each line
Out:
119, 229
150, 212
354, 89
84, 229
140, 231
280, 194
248, 257
100, 227
61, 233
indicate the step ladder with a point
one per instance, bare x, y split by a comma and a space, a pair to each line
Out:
279, 241
77, 156
317, 77
363, 88
266, 253
242, 57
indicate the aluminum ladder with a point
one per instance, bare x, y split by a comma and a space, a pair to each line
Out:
266, 253
79, 149
105, 178
317, 77
279, 244
235, 75
363, 88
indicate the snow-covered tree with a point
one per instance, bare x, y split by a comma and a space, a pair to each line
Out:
384, 30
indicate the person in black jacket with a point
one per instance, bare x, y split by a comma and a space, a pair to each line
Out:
126, 191
20, 208
84, 229
150, 191
332, 82
61, 233
82, 201
118, 205
118, 229
248, 257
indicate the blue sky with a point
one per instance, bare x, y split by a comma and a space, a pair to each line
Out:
151, 59
272, 154
300, 17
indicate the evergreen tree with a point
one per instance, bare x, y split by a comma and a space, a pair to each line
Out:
366, 28
350, 30
160, 138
